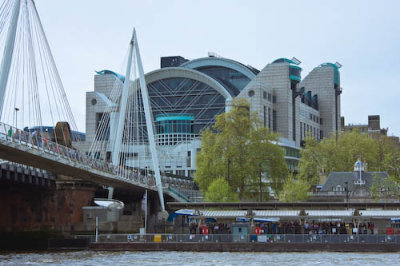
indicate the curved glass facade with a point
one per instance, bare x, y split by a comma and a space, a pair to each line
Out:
174, 128
178, 97
174, 123
232, 80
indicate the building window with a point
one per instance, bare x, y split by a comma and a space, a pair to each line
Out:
321, 135
264, 94
188, 159
191, 173
103, 122
180, 172
274, 98
269, 97
265, 116
251, 93
301, 131
274, 126
320, 121
269, 118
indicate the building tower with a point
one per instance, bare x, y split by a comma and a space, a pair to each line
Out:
324, 81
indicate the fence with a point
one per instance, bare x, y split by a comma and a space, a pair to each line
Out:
230, 238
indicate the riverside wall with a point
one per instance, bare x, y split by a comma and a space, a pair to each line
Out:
247, 247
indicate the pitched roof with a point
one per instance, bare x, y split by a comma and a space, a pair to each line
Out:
340, 178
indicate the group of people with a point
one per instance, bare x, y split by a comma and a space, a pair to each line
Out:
286, 227
315, 227
209, 228
34, 137
43, 141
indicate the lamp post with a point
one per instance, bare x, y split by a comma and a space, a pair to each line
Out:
16, 116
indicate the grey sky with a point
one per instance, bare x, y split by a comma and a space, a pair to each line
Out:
362, 35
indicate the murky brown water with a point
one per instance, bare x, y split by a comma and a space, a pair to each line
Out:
201, 258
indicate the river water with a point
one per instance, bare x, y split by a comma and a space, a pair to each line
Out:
198, 258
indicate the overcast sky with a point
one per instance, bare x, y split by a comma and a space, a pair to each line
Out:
364, 36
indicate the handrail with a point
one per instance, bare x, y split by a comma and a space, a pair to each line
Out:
179, 194
33, 141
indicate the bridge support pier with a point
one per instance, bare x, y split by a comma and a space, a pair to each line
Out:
54, 208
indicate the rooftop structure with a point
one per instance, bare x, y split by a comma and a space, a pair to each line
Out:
373, 127
358, 186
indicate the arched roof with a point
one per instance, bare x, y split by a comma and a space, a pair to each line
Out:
179, 72
219, 61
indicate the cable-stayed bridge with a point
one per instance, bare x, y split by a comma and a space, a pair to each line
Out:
25, 148
32, 95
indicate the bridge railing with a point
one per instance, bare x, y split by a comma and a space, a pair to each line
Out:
34, 141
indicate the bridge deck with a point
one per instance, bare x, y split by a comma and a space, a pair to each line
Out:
64, 161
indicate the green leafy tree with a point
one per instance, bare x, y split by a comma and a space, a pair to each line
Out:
384, 188
339, 153
311, 162
238, 149
218, 191
294, 190
389, 155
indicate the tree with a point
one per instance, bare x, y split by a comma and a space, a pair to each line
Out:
389, 155
384, 188
237, 148
311, 162
218, 191
339, 153
294, 190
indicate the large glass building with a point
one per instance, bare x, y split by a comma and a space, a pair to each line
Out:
186, 95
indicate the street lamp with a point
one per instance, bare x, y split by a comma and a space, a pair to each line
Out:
16, 116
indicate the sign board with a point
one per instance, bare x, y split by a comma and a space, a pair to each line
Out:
261, 238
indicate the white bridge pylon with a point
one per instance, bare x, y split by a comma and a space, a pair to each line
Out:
32, 94
31, 91
127, 90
